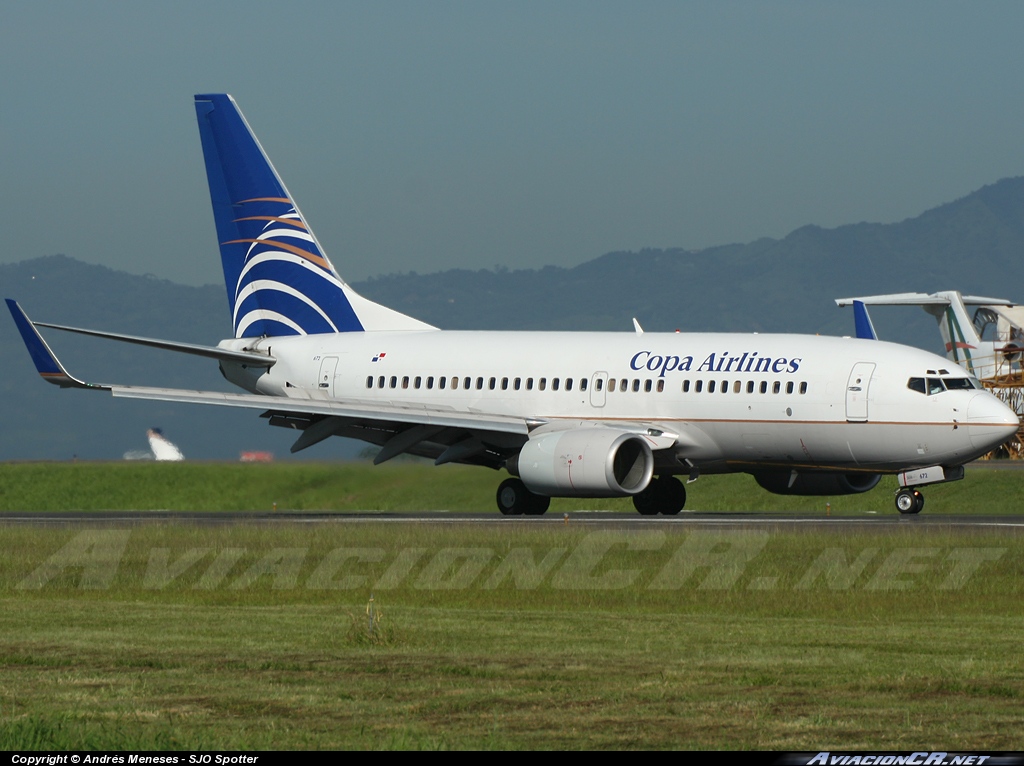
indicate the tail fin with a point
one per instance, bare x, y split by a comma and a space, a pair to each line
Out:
278, 279
862, 321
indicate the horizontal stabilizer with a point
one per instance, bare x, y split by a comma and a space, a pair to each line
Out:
46, 362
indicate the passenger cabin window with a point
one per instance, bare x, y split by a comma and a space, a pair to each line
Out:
542, 384
711, 386
776, 387
661, 385
789, 387
583, 384
764, 386
686, 386
554, 384
611, 384
405, 381
568, 384
698, 386
750, 386
369, 382
529, 384
803, 387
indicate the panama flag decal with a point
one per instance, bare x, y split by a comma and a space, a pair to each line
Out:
378, 357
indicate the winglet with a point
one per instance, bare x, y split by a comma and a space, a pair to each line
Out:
49, 367
862, 321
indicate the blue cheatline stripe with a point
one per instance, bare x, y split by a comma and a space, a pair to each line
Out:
249, 200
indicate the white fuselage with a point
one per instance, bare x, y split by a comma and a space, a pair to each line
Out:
733, 399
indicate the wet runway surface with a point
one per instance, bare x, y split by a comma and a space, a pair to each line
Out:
589, 519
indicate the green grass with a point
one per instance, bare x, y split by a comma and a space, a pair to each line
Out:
415, 487
120, 637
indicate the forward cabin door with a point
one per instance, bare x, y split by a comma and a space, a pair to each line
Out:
857, 392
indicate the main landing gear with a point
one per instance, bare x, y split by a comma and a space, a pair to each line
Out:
665, 495
514, 499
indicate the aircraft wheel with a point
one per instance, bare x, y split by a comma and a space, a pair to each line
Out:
538, 505
665, 495
646, 501
909, 501
673, 495
514, 499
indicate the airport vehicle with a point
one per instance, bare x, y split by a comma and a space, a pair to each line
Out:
567, 414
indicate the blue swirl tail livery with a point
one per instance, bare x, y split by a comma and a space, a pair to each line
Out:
279, 280
583, 414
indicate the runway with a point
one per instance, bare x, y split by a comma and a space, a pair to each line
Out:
688, 520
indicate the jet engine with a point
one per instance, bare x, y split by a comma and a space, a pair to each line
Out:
813, 483
585, 462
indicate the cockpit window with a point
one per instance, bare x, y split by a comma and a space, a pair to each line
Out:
916, 384
935, 386
954, 384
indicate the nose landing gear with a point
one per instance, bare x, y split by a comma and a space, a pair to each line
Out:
909, 501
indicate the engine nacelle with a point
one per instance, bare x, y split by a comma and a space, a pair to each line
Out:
586, 462
814, 483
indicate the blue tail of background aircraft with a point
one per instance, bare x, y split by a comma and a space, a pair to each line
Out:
278, 279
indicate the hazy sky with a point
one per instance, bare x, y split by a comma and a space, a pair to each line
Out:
428, 135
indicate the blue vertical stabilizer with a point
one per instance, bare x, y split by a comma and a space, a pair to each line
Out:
862, 321
279, 281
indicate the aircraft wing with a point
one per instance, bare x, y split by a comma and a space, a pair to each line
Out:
352, 409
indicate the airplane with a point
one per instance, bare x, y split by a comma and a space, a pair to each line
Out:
566, 414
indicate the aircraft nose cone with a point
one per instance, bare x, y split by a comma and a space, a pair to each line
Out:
990, 422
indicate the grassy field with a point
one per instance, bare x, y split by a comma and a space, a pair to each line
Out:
176, 635
415, 486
